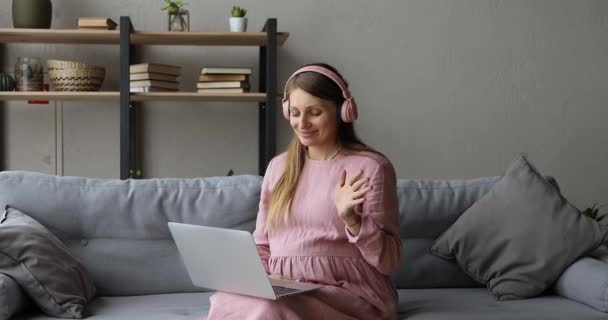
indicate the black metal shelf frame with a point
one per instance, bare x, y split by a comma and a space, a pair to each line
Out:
129, 162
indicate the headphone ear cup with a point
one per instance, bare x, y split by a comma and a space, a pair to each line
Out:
286, 109
349, 110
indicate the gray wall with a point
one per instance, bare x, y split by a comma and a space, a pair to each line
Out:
446, 88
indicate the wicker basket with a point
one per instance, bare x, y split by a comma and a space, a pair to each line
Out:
75, 76
63, 64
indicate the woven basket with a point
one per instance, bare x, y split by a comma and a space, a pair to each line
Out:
63, 64
75, 76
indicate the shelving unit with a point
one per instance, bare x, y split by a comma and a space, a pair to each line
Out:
129, 41
57, 95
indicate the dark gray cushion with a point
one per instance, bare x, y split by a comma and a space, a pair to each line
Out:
12, 299
585, 281
41, 264
519, 237
601, 253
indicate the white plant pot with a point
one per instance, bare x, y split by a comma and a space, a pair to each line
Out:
238, 24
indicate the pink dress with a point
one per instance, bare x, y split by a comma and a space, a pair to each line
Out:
315, 246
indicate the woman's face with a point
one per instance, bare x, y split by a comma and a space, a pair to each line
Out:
313, 119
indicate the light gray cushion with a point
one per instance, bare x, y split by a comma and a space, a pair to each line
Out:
178, 306
585, 281
518, 238
427, 207
414, 304
12, 299
478, 304
42, 266
118, 228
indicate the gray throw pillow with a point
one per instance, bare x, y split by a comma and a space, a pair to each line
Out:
520, 236
601, 253
41, 264
585, 281
12, 299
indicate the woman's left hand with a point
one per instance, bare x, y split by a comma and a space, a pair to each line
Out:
350, 194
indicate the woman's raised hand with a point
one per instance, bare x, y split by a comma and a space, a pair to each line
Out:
350, 193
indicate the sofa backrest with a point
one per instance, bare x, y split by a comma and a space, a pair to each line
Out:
119, 231
118, 228
427, 207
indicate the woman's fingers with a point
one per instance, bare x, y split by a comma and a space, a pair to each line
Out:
341, 178
361, 192
357, 202
359, 183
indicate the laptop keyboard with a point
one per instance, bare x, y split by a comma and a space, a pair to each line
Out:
278, 290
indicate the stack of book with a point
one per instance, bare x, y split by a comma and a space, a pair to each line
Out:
223, 80
153, 77
96, 23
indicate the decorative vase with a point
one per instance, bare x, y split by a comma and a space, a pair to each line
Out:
28, 74
7, 83
178, 21
32, 14
238, 24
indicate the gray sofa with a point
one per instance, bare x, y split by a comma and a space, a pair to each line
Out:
118, 229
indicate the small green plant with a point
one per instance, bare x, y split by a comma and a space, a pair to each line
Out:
173, 6
238, 12
177, 16
594, 213
135, 174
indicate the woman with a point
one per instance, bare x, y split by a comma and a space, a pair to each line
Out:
328, 213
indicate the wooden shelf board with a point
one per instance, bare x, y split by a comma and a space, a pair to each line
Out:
195, 96
59, 36
205, 38
148, 96
57, 95
13, 35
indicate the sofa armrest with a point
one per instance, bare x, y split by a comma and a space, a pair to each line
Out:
12, 298
585, 281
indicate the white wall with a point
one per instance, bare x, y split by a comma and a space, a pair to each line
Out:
447, 89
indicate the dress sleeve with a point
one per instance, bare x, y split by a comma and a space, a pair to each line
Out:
259, 235
378, 239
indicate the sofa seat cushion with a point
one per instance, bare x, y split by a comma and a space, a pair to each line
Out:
479, 304
176, 306
414, 304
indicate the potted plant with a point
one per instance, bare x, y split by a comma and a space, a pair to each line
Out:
594, 213
7, 83
178, 19
238, 22
135, 174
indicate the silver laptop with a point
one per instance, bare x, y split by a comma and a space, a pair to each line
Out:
227, 260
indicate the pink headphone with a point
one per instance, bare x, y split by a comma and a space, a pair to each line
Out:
348, 109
